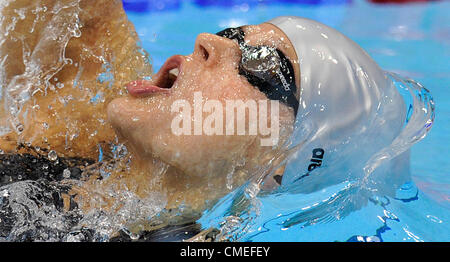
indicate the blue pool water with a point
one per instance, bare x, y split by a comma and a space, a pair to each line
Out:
410, 39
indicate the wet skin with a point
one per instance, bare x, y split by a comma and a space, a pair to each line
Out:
190, 170
199, 165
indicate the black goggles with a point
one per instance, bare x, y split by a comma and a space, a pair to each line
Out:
266, 68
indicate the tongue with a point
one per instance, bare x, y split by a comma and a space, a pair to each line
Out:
143, 87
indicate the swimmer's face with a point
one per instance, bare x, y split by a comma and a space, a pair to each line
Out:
145, 119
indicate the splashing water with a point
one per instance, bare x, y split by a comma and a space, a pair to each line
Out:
58, 72
344, 206
62, 62
62, 25
43, 209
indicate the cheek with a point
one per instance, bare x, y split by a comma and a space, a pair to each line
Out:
218, 83
202, 153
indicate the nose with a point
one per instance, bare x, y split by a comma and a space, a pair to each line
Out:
213, 49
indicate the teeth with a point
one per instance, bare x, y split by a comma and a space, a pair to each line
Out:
174, 71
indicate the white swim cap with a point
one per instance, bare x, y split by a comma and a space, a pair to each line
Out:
348, 107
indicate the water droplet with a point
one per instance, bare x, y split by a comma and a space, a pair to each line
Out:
52, 155
19, 128
229, 181
4, 193
66, 173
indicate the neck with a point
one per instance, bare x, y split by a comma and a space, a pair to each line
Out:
191, 193
145, 176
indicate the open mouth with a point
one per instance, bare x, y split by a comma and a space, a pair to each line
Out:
163, 81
